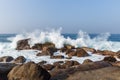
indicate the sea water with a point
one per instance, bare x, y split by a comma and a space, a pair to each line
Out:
103, 41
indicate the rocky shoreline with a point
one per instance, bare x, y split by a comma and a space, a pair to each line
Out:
19, 69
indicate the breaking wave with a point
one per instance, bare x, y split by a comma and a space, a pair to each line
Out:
83, 40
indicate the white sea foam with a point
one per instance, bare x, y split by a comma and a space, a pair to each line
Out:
83, 40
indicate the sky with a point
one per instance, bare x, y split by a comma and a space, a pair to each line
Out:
92, 16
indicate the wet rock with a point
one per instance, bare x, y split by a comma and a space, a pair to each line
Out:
110, 59
118, 54
6, 59
37, 46
20, 59
58, 63
78, 52
64, 74
89, 49
68, 46
81, 53
28, 71
23, 44
87, 61
48, 45
57, 57
39, 54
5, 69
107, 73
71, 53
71, 63
106, 52
48, 66
48, 51
42, 63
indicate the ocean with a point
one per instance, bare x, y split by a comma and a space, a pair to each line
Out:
112, 37
103, 41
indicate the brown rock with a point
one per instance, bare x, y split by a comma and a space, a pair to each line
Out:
58, 63
20, 59
86, 61
71, 63
28, 71
118, 54
63, 49
89, 49
64, 74
68, 46
57, 57
42, 63
117, 63
37, 46
110, 59
48, 66
107, 73
48, 51
81, 53
106, 52
78, 52
5, 69
39, 54
23, 44
72, 53
6, 59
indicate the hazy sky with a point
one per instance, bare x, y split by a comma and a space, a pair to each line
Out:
93, 16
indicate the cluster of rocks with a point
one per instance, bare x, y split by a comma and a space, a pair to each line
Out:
68, 70
48, 48
20, 59
106, 69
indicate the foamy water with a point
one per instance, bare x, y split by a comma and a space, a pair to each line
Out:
83, 40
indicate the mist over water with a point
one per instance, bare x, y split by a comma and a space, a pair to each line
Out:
82, 39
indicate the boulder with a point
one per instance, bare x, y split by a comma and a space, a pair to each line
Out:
20, 59
23, 44
58, 63
28, 71
107, 73
57, 57
37, 46
48, 44
106, 52
110, 59
6, 59
89, 49
48, 51
64, 74
77, 52
81, 53
5, 69
87, 61
48, 66
118, 54
42, 63
68, 46
117, 63
39, 54
71, 63
71, 53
